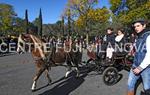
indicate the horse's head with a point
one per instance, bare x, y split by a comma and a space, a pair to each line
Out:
23, 40
30, 43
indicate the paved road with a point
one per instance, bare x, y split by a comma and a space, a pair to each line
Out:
16, 73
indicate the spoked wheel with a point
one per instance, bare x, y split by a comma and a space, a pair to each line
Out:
110, 76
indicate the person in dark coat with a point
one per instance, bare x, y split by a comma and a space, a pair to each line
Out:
110, 42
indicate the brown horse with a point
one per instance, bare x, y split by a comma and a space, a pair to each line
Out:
44, 59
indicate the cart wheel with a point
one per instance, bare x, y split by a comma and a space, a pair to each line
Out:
110, 76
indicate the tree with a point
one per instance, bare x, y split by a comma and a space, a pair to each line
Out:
69, 22
36, 23
53, 29
26, 21
94, 16
7, 14
18, 25
79, 8
62, 25
33, 29
115, 5
40, 22
135, 9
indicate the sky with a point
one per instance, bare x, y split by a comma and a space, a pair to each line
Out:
51, 9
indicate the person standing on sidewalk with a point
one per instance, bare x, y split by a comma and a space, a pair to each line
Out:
141, 63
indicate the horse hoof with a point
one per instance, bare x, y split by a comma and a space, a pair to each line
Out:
67, 74
66, 77
49, 83
77, 76
33, 90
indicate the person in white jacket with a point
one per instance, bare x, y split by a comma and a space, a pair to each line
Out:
120, 40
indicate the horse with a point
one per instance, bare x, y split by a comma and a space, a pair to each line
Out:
44, 60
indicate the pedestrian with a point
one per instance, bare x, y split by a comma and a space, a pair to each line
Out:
141, 63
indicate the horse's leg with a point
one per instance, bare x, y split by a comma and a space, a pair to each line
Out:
77, 69
41, 69
47, 75
78, 72
76, 62
69, 69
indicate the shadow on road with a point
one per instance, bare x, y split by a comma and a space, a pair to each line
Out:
6, 54
49, 84
67, 86
120, 76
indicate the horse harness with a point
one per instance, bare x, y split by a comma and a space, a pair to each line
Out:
49, 61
